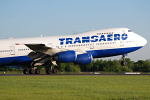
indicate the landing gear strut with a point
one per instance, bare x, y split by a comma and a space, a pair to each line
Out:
123, 63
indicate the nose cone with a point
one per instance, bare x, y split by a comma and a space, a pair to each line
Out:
143, 41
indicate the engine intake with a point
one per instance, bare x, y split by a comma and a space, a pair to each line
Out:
65, 57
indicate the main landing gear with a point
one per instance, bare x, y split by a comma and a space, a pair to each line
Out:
31, 71
123, 63
34, 70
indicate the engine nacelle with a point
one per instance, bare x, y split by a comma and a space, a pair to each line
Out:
84, 58
65, 57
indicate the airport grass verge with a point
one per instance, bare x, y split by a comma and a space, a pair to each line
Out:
74, 87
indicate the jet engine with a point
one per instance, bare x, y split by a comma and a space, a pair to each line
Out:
65, 57
84, 58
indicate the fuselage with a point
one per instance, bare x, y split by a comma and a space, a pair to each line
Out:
99, 43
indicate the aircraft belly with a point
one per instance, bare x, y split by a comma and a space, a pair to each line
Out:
112, 52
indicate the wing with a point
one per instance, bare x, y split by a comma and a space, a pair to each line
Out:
37, 46
42, 54
42, 48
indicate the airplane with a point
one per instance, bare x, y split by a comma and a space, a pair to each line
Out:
79, 48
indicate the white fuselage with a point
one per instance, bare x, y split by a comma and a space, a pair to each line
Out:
106, 39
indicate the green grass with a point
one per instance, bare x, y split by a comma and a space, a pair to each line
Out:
74, 87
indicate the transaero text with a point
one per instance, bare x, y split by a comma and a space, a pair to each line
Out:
94, 38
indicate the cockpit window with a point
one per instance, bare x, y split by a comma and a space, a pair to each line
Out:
129, 30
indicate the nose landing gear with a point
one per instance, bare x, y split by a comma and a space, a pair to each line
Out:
123, 63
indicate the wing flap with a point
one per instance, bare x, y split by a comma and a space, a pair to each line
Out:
45, 49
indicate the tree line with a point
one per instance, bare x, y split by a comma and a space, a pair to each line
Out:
107, 66
100, 65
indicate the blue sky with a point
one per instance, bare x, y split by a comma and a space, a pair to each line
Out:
32, 18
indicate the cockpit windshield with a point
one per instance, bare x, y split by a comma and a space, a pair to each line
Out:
129, 31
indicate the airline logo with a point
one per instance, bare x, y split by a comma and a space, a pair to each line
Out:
94, 38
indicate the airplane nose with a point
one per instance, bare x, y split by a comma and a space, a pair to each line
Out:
143, 41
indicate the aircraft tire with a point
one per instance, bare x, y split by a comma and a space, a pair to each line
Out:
48, 71
37, 71
25, 71
55, 71
123, 63
31, 71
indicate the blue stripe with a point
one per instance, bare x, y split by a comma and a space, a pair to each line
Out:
19, 60
112, 52
24, 60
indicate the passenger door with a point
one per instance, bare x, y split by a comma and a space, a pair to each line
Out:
121, 43
12, 50
92, 45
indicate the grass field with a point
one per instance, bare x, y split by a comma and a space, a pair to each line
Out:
74, 87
